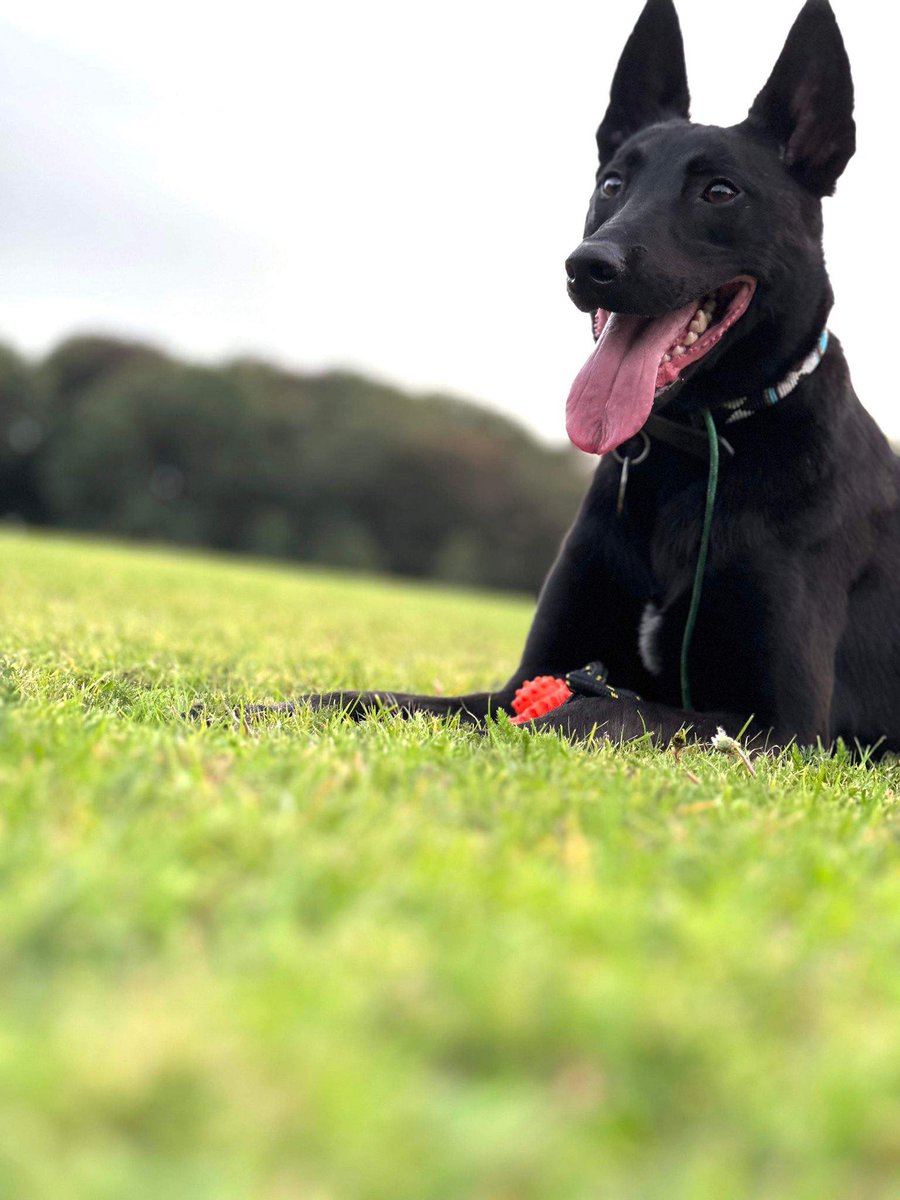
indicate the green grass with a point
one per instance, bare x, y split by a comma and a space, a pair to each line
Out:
314, 961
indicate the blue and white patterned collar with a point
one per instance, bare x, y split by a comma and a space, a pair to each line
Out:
747, 406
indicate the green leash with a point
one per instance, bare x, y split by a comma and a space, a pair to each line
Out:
711, 485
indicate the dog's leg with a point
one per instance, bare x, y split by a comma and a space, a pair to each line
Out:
626, 719
471, 709
592, 601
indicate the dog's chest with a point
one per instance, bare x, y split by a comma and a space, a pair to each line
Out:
669, 559
671, 548
649, 638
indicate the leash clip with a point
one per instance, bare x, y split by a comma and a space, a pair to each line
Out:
627, 462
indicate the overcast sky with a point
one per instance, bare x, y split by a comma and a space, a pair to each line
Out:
391, 186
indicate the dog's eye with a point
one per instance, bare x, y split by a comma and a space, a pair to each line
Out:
611, 186
720, 191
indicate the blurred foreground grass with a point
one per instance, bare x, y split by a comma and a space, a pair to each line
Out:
321, 961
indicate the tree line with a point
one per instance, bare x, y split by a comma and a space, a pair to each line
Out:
118, 437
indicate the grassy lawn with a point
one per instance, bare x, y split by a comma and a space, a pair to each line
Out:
314, 961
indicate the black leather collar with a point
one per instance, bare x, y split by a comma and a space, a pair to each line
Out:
689, 439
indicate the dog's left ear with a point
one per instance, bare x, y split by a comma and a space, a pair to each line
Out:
807, 105
650, 83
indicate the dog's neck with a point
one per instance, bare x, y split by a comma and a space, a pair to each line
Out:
765, 358
680, 426
743, 407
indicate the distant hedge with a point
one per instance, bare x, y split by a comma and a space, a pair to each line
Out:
118, 437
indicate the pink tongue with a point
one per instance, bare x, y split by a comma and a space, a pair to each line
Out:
612, 395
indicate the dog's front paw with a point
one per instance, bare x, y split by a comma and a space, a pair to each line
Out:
356, 705
583, 717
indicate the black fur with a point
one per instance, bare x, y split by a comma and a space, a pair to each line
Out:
799, 623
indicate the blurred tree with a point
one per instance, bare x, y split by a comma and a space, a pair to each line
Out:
155, 449
23, 429
329, 468
80, 362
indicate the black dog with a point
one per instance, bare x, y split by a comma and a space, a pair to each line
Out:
702, 267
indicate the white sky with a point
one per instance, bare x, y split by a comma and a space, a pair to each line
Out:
391, 186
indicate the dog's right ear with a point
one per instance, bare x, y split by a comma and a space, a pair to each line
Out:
650, 83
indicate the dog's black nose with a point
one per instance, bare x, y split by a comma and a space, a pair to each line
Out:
594, 263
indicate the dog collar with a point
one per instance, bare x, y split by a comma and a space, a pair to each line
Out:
747, 406
691, 439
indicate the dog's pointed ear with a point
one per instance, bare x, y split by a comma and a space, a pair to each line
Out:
807, 105
650, 83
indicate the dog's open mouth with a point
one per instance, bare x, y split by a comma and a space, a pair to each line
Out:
638, 358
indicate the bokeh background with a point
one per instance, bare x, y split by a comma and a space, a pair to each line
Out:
255, 255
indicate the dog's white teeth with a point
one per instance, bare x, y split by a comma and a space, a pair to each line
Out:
667, 358
691, 338
709, 307
700, 323
677, 350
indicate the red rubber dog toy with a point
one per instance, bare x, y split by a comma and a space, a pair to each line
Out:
538, 696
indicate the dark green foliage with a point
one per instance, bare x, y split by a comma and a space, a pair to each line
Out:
330, 468
23, 430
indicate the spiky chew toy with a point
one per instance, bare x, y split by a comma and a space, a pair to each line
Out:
538, 696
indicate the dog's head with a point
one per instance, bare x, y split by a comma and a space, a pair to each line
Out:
702, 260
